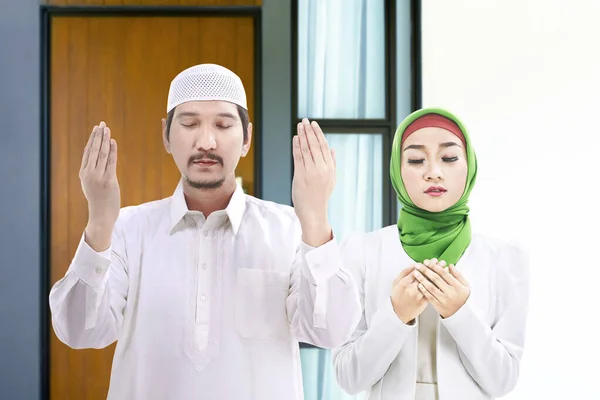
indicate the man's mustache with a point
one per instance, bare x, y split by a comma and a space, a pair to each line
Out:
205, 156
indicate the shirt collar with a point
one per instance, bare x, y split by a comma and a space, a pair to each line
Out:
234, 210
236, 207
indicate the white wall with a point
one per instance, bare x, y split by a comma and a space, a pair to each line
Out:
524, 75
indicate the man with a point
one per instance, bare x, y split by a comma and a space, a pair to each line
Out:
207, 292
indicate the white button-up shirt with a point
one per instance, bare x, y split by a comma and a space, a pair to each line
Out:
206, 308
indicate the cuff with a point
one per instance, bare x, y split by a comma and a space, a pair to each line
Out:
323, 262
91, 266
320, 264
387, 316
387, 328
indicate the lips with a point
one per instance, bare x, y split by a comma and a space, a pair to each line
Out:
205, 159
436, 190
205, 162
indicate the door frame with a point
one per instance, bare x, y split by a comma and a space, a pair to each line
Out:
47, 12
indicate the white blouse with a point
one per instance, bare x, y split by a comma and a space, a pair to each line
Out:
477, 350
426, 388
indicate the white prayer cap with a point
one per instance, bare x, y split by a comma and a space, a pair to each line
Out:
206, 82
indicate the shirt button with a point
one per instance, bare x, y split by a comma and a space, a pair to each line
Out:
204, 266
205, 233
98, 270
203, 297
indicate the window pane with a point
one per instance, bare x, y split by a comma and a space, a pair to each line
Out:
341, 59
355, 206
404, 76
356, 202
403, 60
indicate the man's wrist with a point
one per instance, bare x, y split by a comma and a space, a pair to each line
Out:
316, 234
98, 237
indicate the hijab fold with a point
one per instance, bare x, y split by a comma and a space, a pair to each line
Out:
444, 235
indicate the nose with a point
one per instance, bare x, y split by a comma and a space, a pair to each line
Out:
433, 172
205, 138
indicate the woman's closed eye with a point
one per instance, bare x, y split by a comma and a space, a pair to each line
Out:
422, 160
450, 159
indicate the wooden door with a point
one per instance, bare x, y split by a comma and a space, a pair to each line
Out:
118, 70
152, 2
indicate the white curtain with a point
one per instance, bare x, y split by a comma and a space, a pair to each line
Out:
355, 205
341, 75
341, 59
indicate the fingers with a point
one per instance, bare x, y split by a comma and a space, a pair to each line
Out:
317, 142
111, 167
410, 278
95, 147
333, 159
323, 144
297, 152
429, 287
88, 146
456, 274
304, 146
432, 275
430, 262
313, 142
409, 287
439, 268
430, 298
403, 274
104, 151
415, 288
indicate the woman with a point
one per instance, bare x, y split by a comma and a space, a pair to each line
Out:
444, 311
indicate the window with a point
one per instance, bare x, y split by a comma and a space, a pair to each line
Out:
353, 73
341, 80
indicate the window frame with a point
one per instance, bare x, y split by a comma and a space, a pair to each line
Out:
386, 126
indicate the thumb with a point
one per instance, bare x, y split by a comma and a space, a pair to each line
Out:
403, 274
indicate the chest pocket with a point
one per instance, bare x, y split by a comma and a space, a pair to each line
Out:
260, 304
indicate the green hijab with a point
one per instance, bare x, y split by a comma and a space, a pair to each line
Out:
444, 235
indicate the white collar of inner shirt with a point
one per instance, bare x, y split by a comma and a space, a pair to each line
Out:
235, 208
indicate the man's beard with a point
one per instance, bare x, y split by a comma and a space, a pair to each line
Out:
210, 185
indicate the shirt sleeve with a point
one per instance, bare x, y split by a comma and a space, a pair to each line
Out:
366, 356
323, 305
492, 354
87, 303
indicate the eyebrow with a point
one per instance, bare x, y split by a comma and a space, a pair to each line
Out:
187, 114
195, 114
226, 115
444, 145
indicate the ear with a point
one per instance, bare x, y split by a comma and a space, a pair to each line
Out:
246, 145
164, 136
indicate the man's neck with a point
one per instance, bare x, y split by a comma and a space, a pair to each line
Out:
208, 201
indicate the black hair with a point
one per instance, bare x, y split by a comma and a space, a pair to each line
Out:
243, 113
